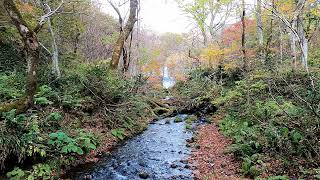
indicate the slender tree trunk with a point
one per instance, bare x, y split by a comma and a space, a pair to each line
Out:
304, 43
293, 46
205, 38
213, 14
124, 34
269, 39
75, 43
281, 43
128, 62
259, 30
31, 46
55, 53
243, 36
259, 24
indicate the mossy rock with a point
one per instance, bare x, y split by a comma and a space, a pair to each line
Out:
178, 119
191, 119
20, 106
188, 127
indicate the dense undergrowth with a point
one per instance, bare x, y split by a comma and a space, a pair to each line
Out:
73, 115
272, 116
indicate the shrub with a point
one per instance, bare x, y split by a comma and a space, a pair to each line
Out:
268, 113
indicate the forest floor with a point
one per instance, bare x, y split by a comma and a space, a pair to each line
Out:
209, 158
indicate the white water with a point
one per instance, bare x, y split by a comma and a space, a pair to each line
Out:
167, 81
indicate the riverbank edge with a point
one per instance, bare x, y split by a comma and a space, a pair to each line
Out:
108, 144
208, 153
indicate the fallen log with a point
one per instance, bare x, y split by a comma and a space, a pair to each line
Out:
20, 106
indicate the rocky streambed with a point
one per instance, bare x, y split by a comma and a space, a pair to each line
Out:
160, 152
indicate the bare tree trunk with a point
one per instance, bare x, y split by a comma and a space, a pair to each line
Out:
281, 43
124, 34
55, 53
259, 30
269, 39
205, 38
304, 42
259, 23
128, 61
75, 43
293, 46
213, 14
31, 46
243, 36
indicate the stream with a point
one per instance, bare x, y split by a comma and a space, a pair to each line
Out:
158, 153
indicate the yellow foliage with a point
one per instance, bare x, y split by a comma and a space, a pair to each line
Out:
25, 8
152, 67
230, 66
215, 55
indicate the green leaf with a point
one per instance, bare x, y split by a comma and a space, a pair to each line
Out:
55, 116
53, 135
296, 136
42, 101
16, 174
278, 178
79, 151
118, 133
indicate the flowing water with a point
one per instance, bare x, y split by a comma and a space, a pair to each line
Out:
159, 153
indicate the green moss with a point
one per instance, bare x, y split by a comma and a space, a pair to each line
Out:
177, 119
191, 119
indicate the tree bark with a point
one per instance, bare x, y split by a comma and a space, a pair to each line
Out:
259, 29
304, 42
293, 46
124, 35
55, 51
269, 39
243, 36
205, 38
281, 43
31, 46
127, 62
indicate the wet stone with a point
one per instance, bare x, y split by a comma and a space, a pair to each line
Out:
142, 164
190, 140
143, 175
173, 166
87, 177
184, 161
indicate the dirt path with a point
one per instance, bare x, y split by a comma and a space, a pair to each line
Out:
211, 163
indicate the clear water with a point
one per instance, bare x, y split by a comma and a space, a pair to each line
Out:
153, 152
